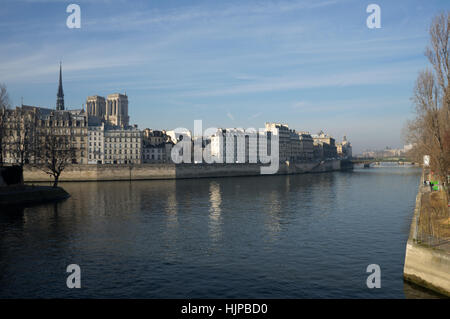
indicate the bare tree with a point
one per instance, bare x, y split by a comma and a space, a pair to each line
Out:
4, 106
429, 132
2, 133
22, 140
55, 153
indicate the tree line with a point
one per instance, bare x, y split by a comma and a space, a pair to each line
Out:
429, 131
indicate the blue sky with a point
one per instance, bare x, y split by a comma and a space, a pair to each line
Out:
312, 64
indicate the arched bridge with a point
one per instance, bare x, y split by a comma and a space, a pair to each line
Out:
367, 162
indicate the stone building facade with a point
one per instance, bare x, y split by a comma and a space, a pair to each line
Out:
96, 106
114, 145
324, 146
96, 144
113, 110
284, 138
27, 126
155, 137
230, 146
157, 153
117, 110
306, 147
111, 139
234, 145
293, 146
344, 148
157, 146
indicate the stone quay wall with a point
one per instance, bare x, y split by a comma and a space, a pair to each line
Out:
426, 266
104, 172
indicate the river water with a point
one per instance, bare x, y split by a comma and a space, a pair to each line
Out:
298, 236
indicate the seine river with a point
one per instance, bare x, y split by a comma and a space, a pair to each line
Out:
298, 236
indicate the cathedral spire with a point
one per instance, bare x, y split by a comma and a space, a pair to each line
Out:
60, 95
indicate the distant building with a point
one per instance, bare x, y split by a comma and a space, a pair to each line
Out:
230, 146
117, 110
324, 146
175, 137
113, 110
96, 106
294, 151
157, 153
234, 145
111, 139
156, 137
387, 152
96, 144
34, 123
344, 149
293, 146
157, 146
284, 139
306, 146
301, 146
114, 145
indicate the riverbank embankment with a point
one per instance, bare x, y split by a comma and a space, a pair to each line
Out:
77, 173
427, 260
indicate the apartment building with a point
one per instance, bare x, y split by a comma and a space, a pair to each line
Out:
114, 145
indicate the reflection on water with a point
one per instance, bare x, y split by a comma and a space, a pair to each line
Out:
214, 211
297, 236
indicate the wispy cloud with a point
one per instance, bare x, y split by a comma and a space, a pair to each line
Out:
255, 115
374, 76
229, 10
